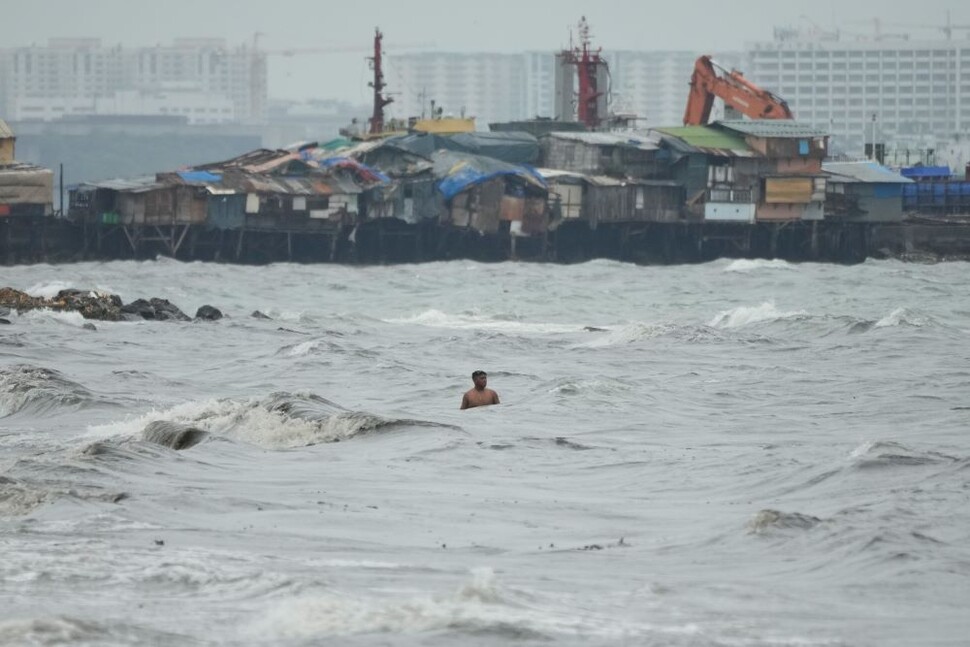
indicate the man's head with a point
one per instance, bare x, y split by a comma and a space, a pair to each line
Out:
480, 379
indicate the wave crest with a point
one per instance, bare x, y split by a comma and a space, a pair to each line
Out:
768, 520
745, 265
893, 454
749, 315
38, 390
279, 421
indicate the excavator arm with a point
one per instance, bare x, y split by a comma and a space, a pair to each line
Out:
710, 81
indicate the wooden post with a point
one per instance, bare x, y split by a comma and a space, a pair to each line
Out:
239, 243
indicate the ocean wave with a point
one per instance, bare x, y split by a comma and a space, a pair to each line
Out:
18, 498
905, 317
69, 318
49, 289
754, 265
279, 421
749, 315
38, 390
476, 604
640, 331
594, 386
497, 323
769, 520
65, 630
893, 454
480, 607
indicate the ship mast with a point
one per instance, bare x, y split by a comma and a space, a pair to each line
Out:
380, 100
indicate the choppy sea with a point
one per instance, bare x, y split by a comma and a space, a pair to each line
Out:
735, 453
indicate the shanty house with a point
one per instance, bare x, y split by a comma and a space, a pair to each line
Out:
864, 192
593, 153
602, 199
791, 184
481, 192
7, 144
25, 190
720, 173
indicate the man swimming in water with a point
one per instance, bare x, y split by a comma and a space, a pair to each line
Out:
479, 396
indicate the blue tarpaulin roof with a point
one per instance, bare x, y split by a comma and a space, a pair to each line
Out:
926, 171
200, 176
458, 171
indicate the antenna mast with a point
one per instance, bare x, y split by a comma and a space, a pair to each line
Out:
380, 100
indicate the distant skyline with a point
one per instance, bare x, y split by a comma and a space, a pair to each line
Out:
497, 26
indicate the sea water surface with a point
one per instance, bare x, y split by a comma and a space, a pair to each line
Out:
735, 453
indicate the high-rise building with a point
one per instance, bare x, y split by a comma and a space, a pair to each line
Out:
201, 79
904, 93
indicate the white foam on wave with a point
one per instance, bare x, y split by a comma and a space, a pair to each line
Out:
248, 421
478, 605
437, 319
303, 349
745, 265
627, 334
748, 315
903, 317
48, 289
74, 319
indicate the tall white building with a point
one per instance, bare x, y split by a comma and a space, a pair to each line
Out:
201, 78
903, 93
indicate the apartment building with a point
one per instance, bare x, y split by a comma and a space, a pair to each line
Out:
900, 92
202, 78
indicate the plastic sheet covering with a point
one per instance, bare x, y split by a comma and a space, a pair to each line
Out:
26, 184
458, 171
200, 177
361, 171
511, 147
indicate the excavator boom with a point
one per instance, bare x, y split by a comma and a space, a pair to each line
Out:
735, 90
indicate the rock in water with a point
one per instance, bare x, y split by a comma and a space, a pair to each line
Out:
208, 313
166, 310
159, 309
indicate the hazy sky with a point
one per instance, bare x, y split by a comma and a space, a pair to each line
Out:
496, 25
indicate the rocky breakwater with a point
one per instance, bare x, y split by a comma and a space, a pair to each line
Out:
101, 306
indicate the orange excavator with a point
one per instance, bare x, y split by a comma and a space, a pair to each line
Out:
711, 81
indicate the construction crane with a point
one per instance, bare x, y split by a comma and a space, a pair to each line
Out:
259, 56
711, 81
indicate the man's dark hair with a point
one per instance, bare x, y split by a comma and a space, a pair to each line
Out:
477, 373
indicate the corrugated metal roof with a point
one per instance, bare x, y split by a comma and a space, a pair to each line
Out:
706, 139
783, 128
5, 131
555, 174
642, 141
864, 172
144, 183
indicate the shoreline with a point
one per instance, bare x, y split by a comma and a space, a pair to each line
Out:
25, 241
